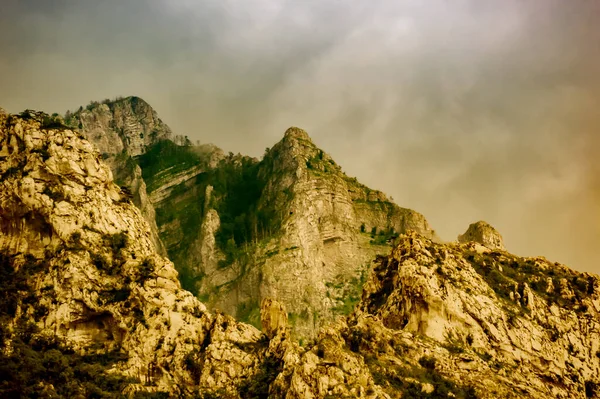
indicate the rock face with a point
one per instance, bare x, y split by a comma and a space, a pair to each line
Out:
122, 129
309, 231
81, 277
484, 234
506, 333
273, 317
292, 227
446, 321
94, 281
128, 124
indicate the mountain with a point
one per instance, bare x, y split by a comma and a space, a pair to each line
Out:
88, 303
459, 320
291, 226
91, 309
121, 129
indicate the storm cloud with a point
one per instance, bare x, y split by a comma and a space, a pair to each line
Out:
463, 110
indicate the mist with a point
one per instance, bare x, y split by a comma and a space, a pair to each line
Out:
465, 110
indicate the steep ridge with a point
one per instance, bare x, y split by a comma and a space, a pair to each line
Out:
320, 252
122, 129
292, 227
231, 223
459, 320
126, 124
81, 277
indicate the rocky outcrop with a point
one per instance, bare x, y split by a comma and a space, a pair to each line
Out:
434, 320
273, 317
122, 129
439, 321
466, 300
127, 124
484, 234
95, 280
328, 228
324, 227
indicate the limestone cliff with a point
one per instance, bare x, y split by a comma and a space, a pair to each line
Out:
128, 124
330, 227
90, 309
82, 276
458, 320
300, 230
484, 234
291, 226
122, 129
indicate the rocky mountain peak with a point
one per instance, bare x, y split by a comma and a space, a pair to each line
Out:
83, 277
296, 133
127, 124
483, 233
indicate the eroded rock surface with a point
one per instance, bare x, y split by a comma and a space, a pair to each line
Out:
434, 320
484, 234
313, 255
93, 269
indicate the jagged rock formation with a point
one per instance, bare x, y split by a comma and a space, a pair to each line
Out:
435, 320
122, 129
443, 321
127, 124
484, 234
84, 254
310, 231
273, 317
292, 227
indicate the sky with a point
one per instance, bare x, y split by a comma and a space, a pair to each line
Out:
463, 110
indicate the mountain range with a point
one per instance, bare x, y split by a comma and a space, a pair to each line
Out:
136, 263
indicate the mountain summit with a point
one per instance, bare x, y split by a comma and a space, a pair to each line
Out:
291, 226
484, 234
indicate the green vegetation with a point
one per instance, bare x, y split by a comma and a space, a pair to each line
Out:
249, 312
384, 237
52, 122
315, 161
394, 378
520, 271
126, 168
166, 156
454, 343
257, 386
54, 192
351, 294
237, 189
146, 269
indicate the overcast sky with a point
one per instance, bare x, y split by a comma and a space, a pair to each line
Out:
460, 109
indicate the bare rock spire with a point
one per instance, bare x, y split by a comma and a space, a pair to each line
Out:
484, 234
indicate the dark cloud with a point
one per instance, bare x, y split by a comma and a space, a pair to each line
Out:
463, 110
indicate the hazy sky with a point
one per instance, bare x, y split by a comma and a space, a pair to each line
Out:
461, 109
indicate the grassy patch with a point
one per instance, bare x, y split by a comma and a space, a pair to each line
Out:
249, 312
